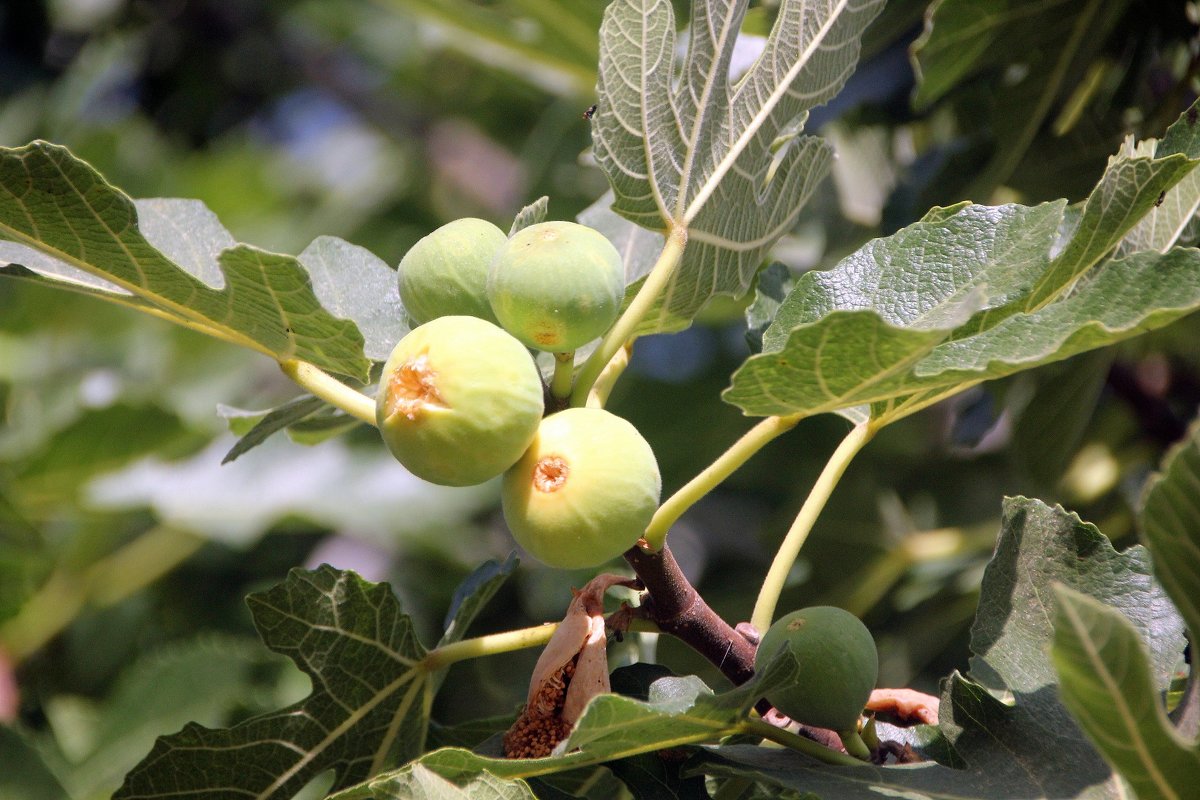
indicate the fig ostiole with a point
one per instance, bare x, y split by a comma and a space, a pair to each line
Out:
838, 668
445, 273
556, 285
459, 402
584, 491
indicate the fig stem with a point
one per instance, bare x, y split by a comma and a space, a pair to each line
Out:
818, 496
608, 377
564, 371
725, 465
330, 389
623, 329
491, 644
855, 745
756, 727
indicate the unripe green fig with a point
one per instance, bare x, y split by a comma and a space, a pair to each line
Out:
459, 401
445, 273
838, 666
556, 285
584, 491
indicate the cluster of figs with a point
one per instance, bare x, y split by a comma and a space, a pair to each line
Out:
461, 399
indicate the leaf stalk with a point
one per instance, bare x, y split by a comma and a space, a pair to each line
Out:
785, 557
604, 384
730, 461
493, 643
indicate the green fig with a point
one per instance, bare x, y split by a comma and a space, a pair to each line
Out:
460, 400
556, 285
584, 491
445, 273
838, 666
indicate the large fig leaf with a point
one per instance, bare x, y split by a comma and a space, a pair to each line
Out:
367, 709
853, 334
721, 157
893, 310
1107, 685
1125, 298
353, 283
1128, 191
1029, 747
1039, 546
82, 229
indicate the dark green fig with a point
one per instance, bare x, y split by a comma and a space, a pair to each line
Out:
584, 491
459, 402
838, 666
445, 273
556, 285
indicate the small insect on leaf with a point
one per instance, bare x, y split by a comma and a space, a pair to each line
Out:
590, 112
1161, 196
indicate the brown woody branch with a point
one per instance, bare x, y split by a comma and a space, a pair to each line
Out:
674, 605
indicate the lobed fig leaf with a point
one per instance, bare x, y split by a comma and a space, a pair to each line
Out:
445, 273
584, 491
459, 401
838, 666
556, 285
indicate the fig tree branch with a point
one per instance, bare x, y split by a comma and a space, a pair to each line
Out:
674, 605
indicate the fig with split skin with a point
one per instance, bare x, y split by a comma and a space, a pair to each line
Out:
838, 666
556, 285
584, 491
445, 273
459, 401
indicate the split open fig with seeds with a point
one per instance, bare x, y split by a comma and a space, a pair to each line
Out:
569, 673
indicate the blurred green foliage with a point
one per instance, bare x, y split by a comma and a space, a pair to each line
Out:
377, 122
